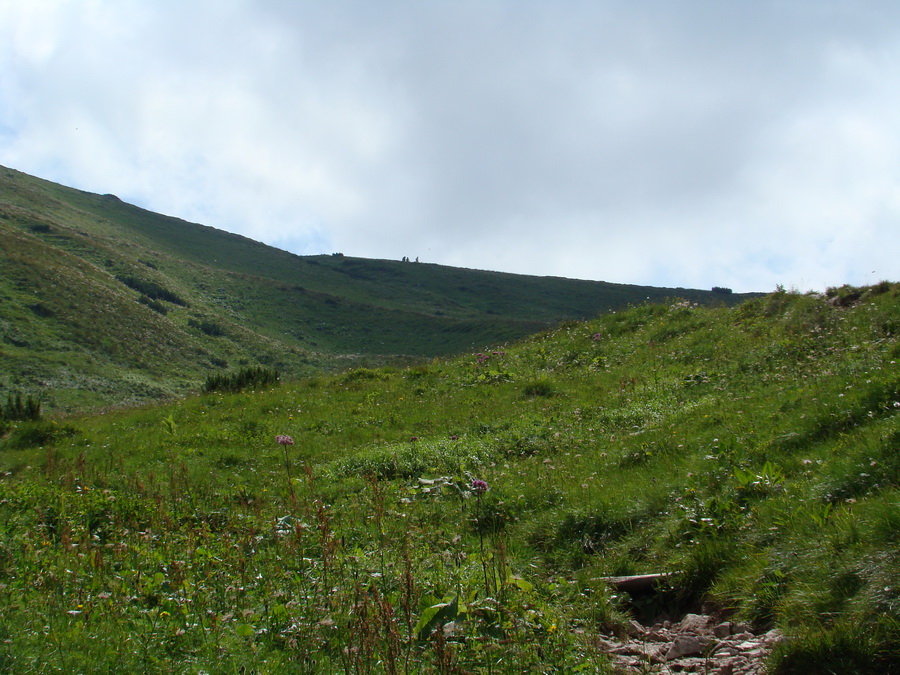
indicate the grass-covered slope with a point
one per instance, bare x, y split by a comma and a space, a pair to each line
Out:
751, 452
102, 302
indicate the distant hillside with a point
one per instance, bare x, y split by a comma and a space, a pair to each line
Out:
102, 302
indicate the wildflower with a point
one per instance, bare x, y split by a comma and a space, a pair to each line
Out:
479, 485
284, 440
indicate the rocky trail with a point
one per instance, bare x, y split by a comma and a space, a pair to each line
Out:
695, 644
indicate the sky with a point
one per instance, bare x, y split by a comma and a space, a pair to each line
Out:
673, 143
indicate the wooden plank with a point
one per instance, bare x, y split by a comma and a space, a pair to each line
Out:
636, 582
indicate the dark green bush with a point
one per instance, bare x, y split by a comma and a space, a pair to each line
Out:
154, 305
210, 328
18, 408
538, 388
39, 434
152, 290
245, 378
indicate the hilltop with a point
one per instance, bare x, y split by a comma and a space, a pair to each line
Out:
465, 514
102, 302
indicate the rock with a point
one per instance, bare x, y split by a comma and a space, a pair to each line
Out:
606, 645
687, 645
732, 666
658, 635
722, 630
694, 623
774, 636
634, 629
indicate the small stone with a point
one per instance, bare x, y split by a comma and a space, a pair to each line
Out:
659, 635
686, 645
773, 636
694, 623
722, 630
634, 628
735, 666
604, 644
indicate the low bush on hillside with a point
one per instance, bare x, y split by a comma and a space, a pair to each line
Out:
154, 305
18, 408
206, 327
152, 290
245, 378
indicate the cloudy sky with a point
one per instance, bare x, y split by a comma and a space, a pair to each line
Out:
671, 143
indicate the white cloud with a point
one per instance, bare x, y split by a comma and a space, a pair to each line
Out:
677, 144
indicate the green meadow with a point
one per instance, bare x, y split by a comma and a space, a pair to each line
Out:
459, 514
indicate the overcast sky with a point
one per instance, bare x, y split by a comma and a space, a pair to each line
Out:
668, 143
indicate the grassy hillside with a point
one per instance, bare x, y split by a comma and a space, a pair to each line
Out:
103, 302
752, 452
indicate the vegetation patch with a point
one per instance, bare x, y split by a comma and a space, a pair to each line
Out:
245, 378
152, 290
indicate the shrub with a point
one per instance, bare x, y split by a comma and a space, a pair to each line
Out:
17, 408
152, 290
154, 305
243, 379
39, 434
210, 328
538, 388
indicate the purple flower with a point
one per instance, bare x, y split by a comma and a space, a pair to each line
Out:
479, 485
284, 440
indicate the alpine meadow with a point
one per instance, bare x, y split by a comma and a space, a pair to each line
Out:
218, 457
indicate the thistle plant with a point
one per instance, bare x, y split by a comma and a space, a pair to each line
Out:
284, 441
479, 487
